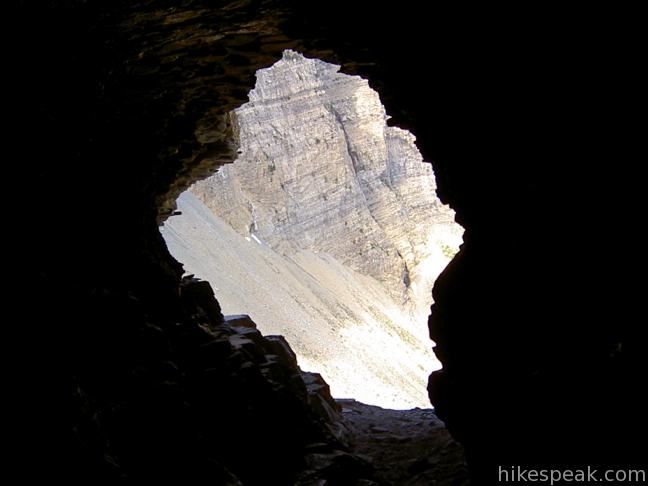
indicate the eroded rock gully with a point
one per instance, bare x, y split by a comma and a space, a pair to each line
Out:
532, 128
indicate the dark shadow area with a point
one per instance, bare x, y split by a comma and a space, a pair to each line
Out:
530, 119
408, 447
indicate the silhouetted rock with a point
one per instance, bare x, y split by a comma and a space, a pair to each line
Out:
533, 130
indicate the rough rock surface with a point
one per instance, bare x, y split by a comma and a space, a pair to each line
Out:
405, 447
274, 411
319, 169
337, 232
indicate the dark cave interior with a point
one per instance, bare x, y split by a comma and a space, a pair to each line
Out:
530, 125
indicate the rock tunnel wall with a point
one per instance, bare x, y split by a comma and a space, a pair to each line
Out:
124, 98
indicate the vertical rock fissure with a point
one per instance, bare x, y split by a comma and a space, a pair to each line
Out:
349, 150
357, 168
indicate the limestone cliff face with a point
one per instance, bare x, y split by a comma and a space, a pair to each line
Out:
326, 230
319, 169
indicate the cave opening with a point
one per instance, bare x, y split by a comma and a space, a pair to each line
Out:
326, 230
532, 126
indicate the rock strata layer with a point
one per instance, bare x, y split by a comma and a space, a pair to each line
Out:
319, 169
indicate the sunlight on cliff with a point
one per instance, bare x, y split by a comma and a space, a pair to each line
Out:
327, 230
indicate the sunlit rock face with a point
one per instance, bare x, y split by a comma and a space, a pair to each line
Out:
330, 222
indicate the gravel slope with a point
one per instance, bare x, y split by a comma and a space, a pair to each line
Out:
341, 324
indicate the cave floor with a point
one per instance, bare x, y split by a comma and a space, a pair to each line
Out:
405, 447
